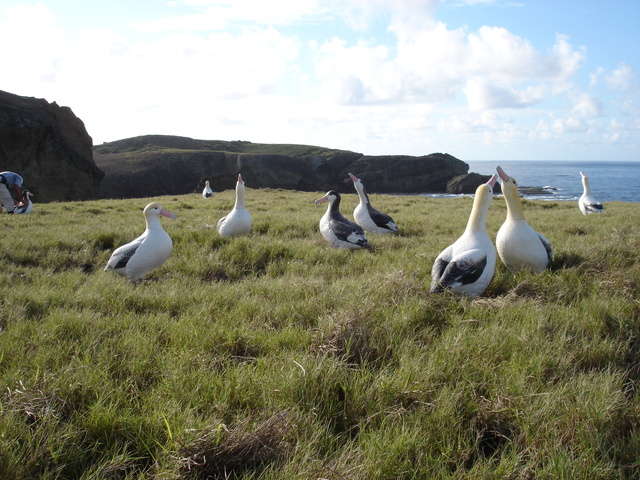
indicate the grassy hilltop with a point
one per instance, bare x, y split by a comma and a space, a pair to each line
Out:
274, 356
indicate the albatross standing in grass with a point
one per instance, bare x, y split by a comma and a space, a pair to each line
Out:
336, 229
467, 266
207, 192
519, 246
238, 221
587, 202
368, 217
147, 252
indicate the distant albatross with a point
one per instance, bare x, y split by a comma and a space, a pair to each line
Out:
587, 202
467, 266
336, 229
147, 252
368, 217
207, 192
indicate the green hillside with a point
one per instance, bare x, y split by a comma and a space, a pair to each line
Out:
274, 356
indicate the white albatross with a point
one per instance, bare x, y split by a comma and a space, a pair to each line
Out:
147, 252
466, 267
519, 246
336, 229
25, 206
587, 202
237, 221
207, 192
368, 217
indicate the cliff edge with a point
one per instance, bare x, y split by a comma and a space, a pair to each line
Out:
49, 147
153, 165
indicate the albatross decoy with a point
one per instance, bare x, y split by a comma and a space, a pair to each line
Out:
336, 229
368, 217
467, 266
26, 205
147, 252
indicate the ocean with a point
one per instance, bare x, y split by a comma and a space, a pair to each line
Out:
609, 180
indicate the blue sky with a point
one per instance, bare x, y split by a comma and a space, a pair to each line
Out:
479, 79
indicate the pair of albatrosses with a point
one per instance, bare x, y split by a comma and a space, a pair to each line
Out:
467, 266
151, 249
342, 233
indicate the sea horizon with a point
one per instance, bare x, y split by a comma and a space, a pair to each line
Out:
610, 180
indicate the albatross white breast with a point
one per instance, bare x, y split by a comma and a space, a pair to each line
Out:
520, 246
26, 205
587, 202
147, 252
467, 266
336, 229
207, 192
238, 221
368, 217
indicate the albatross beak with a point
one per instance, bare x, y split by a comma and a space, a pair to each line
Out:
167, 213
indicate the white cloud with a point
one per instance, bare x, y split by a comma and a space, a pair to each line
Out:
494, 68
32, 47
587, 105
217, 14
622, 78
387, 76
571, 124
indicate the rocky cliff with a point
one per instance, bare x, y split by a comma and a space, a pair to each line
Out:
167, 165
49, 147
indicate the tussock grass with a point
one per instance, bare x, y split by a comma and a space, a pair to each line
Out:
274, 356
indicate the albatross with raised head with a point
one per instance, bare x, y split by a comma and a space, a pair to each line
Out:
368, 217
519, 245
238, 221
587, 202
467, 266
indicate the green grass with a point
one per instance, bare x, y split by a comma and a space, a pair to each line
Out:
274, 356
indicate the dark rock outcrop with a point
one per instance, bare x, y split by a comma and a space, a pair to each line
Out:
167, 165
49, 147
467, 184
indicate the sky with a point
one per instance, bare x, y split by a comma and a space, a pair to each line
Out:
478, 79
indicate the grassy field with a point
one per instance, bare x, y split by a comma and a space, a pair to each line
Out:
274, 356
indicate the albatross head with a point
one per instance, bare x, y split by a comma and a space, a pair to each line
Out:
484, 193
511, 195
585, 181
331, 196
509, 184
154, 209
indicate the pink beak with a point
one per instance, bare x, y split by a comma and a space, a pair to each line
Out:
503, 176
492, 181
167, 213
